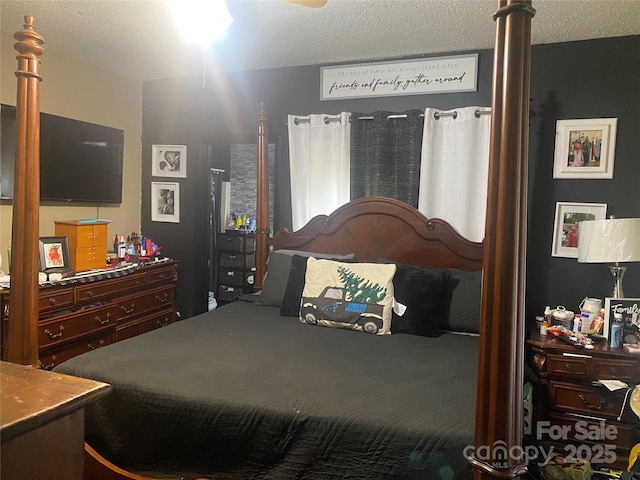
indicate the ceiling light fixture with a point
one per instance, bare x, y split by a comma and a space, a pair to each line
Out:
201, 21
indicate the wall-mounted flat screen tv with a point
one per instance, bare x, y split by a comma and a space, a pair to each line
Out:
79, 161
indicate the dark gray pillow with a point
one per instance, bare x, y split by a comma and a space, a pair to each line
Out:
464, 310
278, 266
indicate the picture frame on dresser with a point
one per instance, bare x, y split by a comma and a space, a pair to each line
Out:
630, 310
585, 148
567, 223
54, 255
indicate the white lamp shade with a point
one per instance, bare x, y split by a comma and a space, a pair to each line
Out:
613, 240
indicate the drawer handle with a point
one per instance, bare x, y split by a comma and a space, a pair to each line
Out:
54, 335
603, 402
103, 322
163, 298
163, 324
91, 347
128, 310
89, 293
52, 301
52, 364
161, 276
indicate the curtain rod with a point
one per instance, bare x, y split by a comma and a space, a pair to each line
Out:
436, 115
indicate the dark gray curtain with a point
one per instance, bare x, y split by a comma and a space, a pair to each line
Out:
385, 155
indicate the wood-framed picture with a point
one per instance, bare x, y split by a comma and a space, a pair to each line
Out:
169, 161
54, 255
585, 148
567, 224
165, 202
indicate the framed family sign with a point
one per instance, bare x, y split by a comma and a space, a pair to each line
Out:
585, 148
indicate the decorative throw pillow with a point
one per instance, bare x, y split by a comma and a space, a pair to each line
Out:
357, 296
295, 284
278, 266
464, 311
425, 294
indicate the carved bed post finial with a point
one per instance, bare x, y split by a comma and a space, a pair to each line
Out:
499, 405
262, 208
22, 337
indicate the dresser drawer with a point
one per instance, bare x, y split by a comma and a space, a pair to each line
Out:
161, 275
573, 365
237, 260
625, 370
585, 399
93, 291
588, 430
83, 322
51, 357
239, 278
237, 243
136, 305
55, 299
144, 325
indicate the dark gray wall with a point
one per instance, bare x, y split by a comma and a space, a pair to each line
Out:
189, 111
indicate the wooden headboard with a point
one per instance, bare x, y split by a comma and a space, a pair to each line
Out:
375, 228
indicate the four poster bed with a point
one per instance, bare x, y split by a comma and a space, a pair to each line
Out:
246, 391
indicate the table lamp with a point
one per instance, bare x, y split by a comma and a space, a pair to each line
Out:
613, 240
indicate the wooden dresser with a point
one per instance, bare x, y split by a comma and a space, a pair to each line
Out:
572, 411
42, 422
83, 316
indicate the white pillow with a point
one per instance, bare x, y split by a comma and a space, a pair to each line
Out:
357, 296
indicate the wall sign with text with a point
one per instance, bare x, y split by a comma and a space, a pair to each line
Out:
405, 77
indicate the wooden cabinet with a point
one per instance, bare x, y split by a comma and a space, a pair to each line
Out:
90, 312
236, 264
573, 411
87, 243
42, 423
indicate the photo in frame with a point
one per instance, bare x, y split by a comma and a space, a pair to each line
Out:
54, 255
630, 310
567, 224
165, 202
169, 161
585, 148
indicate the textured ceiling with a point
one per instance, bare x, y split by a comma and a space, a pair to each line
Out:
138, 38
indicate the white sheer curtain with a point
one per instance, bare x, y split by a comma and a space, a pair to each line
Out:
454, 168
319, 164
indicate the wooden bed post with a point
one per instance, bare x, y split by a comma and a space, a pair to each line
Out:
499, 411
262, 207
22, 341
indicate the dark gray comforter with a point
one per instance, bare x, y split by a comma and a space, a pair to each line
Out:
243, 393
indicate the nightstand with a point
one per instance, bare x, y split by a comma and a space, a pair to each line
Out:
572, 411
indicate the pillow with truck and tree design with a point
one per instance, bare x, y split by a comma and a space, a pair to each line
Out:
356, 296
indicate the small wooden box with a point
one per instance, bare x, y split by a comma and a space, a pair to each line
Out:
87, 243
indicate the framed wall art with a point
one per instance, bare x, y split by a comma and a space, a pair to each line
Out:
567, 224
165, 202
54, 255
585, 148
169, 161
